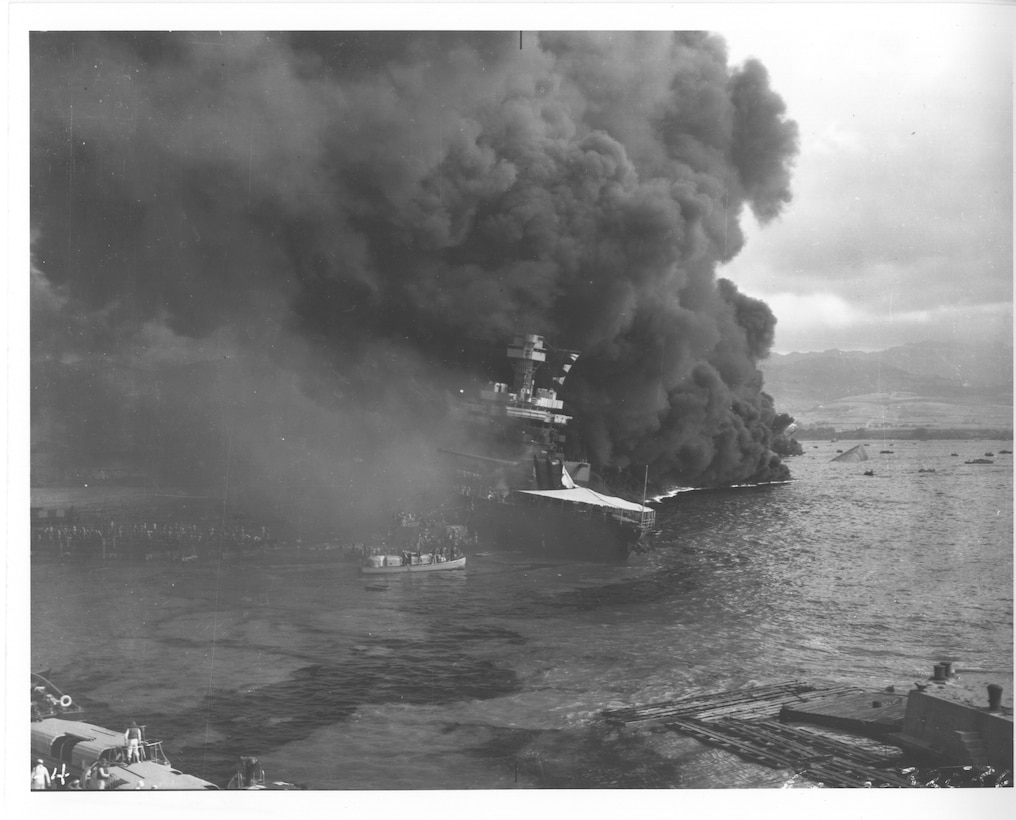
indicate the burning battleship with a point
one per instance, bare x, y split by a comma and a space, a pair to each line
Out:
522, 493
221, 310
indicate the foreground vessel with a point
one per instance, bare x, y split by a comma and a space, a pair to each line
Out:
93, 756
87, 757
519, 492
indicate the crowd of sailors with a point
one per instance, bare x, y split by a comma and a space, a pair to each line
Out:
468, 492
185, 541
423, 555
148, 539
96, 777
423, 539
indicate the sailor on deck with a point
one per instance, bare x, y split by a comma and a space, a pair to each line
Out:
251, 773
132, 739
40, 776
97, 776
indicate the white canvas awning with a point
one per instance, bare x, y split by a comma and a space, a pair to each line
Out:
583, 495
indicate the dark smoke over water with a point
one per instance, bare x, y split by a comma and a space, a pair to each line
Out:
285, 250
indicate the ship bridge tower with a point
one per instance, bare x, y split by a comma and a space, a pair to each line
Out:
526, 353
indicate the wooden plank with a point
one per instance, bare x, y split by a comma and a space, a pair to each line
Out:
856, 776
708, 734
843, 756
780, 746
869, 713
768, 707
759, 707
750, 723
849, 704
692, 703
783, 686
754, 698
847, 747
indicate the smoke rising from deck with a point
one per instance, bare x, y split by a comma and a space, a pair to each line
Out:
287, 250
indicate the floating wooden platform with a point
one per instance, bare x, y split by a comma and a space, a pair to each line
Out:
866, 713
754, 703
784, 747
750, 723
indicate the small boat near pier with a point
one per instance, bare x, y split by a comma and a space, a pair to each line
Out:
418, 545
417, 562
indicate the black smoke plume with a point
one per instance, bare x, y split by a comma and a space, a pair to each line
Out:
269, 258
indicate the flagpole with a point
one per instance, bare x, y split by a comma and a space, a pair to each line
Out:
645, 487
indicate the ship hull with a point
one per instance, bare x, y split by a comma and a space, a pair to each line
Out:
551, 532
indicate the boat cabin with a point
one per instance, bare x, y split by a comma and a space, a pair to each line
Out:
78, 746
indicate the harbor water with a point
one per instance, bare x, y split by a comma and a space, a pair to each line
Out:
495, 677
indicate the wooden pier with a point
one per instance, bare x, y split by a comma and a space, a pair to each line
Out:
872, 714
751, 724
756, 702
810, 755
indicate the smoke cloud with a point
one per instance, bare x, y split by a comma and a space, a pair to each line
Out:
287, 249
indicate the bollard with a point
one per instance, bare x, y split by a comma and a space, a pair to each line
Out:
939, 672
949, 671
994, 697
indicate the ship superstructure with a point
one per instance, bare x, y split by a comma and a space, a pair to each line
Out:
527, 416
520, 492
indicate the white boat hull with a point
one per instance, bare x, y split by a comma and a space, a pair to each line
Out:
436, 566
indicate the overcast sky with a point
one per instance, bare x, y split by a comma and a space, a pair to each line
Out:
901, 224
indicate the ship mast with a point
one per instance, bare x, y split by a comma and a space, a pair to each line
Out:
526, 353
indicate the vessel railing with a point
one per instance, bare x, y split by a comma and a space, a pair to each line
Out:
152, 750
48, 701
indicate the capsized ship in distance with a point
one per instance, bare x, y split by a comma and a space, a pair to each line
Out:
522, 493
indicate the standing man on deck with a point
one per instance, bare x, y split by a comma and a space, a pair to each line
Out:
40, 776
132, 739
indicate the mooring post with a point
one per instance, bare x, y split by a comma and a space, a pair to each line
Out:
994, 697
940, 672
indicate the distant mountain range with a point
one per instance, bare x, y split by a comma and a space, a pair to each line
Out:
929, 384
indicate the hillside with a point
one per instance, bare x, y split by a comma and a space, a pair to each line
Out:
917, 385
